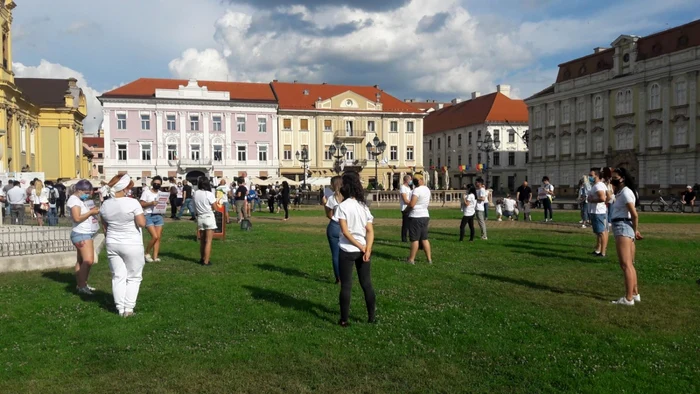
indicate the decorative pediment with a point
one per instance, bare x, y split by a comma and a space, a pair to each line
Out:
565, 132
349, 100
551, 135
679, 117
624, 124
654, 121
581, 131
597, 130
624, 39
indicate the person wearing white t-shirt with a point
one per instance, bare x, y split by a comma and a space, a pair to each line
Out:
204, 201
625, 226
509, 207
356, 241
123, 220
419, 220
405, 199
85, 227
481, 198
333, 229
545, 194
468, 213
154, 221
598, 211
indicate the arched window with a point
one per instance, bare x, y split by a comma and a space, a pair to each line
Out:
620, 103
654, 96
597, 107
681, 92
654, 136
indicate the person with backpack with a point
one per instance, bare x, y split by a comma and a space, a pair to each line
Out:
53, 196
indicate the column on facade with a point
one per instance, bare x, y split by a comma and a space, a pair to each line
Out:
182, 152
206, 151
557, 130
692, 83
159, 143
275, 142
227, 138
640, 129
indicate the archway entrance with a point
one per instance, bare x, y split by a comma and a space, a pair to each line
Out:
193, 176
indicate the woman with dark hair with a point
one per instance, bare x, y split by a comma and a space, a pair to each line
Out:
154, 221
85, 227
333, 229
598, 211
204, 205
285, 199
123, 220
356, 240
625, 227
468, 211
545, 195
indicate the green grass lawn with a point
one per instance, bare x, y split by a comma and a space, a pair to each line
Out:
527, 311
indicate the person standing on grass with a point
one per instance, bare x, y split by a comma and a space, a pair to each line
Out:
271, 197
40, 201
52, 198
545, 194
187, 201
419, 220
173, 201
584, 187
240, 200
468, 213
16, 197
481, 197
625, 226
204, 203
154, 221
284, 199
333, 229
356, 241
85, 227
404, 199
524, 197
598, 211
123, 219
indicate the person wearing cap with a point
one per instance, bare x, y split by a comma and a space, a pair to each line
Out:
419, 220
689, 198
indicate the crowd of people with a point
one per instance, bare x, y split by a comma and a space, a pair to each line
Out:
47, 201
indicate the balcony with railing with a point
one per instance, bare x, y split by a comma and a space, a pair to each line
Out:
190, 163
350, 135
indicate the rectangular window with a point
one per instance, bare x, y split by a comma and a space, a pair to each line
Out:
511, 158
565, 112
327, 125
580, 111
496, 158
194, 122
680, 136
216, 123
370, 126
511, 136
171, 124
409, 153
598, 143
394, 126
194, 152
286, 124
497, 135
459, 139
121, 152
430, 144
478, 134
598, 107
218, 153
304, 124
262, 153
550, 117
240, 124
438, 144
478, 158
449, 161
449, 141
410, 127
348, 128
121, 121
394, 153
262, 125
326, 154
469, 138
459, 159
681, 93
469, 160
145, 122
172, 152
565, 146
242, 152
679, 176
287, 152
145, 152
350, 154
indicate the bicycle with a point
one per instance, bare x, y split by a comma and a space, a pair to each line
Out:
660, 204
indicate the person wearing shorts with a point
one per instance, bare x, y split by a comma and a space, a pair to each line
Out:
154, 221
204, 201
85, 226
419, 220
598, 211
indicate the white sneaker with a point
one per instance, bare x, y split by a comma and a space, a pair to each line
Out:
484, 238
149, 259
500, 220
583, 226
91, 288
157, 260
580, 222
84, 290
624, 301
637, 298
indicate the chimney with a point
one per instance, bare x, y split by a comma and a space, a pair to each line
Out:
441, 106
275, 80
72, 82
456, 101
295, 81
306, 92
376, 87
504, 90
599, 49
475, 95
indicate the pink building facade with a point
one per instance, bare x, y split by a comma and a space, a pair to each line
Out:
186, 129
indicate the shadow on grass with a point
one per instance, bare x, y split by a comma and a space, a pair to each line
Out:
289, 302
540, 286
178, 256
289, 272
191, 238
544, 253
104, 300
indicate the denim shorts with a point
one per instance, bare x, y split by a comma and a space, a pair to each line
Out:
154, 220
76, 238
599, 222
623, 229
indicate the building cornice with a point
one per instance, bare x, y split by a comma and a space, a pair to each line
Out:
315, 112
180, 102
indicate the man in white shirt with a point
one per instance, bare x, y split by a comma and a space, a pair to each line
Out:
419, 219
16, 197
405, 199
481, 197
509, 207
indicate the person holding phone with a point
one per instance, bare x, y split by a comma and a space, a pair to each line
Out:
85, 227
154, 221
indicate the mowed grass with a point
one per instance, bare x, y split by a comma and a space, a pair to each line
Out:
527, 311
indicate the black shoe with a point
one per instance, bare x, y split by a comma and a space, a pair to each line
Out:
372, 321
176, 218
193, 219
343, 324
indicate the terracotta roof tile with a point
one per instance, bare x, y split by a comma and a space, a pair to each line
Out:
292, 96
494, 107
98, 142
146, 87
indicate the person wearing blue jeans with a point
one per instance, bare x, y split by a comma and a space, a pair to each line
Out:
333, 229
188, 203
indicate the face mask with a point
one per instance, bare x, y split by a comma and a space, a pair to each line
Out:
84, 197
591, 179
156, 186
410, 183
615, 182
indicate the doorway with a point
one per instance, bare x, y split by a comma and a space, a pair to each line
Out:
193, 176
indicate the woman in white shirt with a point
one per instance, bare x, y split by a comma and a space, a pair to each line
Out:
40, 201
468, 212
419, 220
154, 220
625, 227
356, 241
204, 205
85, 226
333, 229
123, 220
545, 194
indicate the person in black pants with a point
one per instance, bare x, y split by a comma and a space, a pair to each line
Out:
356, 240
285, 200
173, 202
405, 199
469, 210
61, 202
546, 194
271, 196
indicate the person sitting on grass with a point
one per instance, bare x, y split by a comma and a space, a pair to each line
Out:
204, 204
356, 241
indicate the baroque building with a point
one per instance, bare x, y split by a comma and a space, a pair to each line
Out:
632, 105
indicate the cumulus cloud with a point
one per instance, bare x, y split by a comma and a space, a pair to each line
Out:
208, 64
46, 69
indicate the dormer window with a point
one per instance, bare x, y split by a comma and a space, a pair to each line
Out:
626, 58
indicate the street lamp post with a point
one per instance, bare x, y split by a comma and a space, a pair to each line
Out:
376, 148
337, 151
488, 145
303, 157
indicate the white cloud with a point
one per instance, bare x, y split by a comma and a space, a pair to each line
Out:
46, 69
208, 64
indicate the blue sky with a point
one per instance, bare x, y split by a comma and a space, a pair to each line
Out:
422, 49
